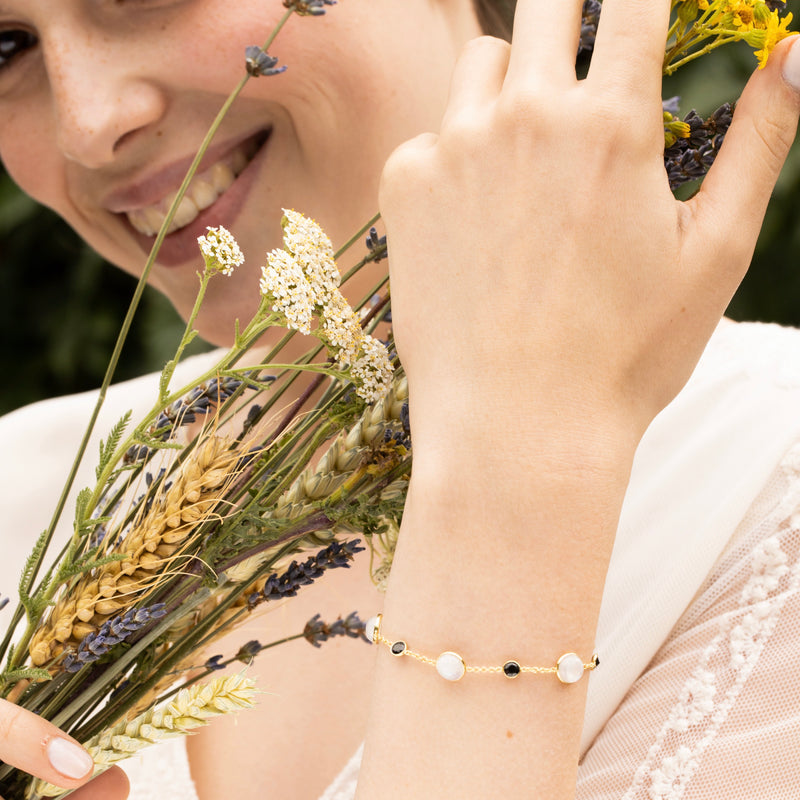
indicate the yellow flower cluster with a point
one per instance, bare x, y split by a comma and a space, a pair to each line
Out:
301, 281
755, 21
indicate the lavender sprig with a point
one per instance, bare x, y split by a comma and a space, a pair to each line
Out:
308, 8
185, 410
691, 156
336, 554
316, 631
112, 632
259, 63
376, 245
590, 16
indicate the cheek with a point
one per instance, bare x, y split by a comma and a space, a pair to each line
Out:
32, 159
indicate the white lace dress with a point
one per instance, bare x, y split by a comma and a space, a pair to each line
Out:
698, 692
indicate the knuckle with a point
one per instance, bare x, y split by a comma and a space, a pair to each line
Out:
524, 106
773, 138
403, 168
465, 130
482, 46
10, 716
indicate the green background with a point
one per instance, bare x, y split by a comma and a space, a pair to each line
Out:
61, 306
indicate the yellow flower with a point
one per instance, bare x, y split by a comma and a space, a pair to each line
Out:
773, 32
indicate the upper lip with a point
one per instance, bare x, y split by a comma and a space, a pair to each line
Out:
153, 188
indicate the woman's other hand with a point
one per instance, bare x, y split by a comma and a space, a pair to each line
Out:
537, 254
39, 748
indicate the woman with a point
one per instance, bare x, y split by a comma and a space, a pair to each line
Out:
500, 230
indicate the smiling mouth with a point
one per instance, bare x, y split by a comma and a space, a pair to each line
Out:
203, 191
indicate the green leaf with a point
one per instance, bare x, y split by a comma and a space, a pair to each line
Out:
166, 377
108, 447
156, 444
81, 506
25, 673
31, 564
85, 564
87, 526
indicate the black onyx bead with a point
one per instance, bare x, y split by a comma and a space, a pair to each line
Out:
596, 660
511, 669
398, 648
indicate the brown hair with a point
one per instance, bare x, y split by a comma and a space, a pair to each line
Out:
496, 16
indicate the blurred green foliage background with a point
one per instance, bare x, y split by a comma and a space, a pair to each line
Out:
61, 306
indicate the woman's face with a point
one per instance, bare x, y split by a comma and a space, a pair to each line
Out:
103, 104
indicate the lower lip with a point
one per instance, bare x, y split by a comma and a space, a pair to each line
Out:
181, 247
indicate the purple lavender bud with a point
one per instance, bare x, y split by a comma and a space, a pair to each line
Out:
213, 663
316, 631
690, 158
336, 554
308, 8
258, 63
111, 632
376, 245
247, 652
590, 16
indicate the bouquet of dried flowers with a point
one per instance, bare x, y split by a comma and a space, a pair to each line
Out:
253, 481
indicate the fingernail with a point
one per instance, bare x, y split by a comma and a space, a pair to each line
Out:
791, 65
69, 759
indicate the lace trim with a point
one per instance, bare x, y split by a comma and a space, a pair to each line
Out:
710, 692
344, 787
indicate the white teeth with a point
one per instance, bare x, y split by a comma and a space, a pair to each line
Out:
239, 161
222, 177
204, 190
186, 212
154, 219
203, 194
139, 221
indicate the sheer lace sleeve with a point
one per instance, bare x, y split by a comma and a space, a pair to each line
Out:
717, 711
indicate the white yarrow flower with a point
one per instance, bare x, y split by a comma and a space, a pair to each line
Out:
372, 370
220, 250
302, 283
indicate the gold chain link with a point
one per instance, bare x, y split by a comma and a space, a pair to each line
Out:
379, 638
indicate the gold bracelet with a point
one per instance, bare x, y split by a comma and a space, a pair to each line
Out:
451, 666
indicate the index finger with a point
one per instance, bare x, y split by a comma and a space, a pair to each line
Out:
629, 48
37, 747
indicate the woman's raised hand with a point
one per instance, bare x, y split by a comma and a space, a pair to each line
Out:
39, 748
536, 249
549, 297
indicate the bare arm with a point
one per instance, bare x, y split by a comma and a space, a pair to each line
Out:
549, 297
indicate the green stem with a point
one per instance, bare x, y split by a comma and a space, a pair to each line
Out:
669, 70
126, 325
355, 237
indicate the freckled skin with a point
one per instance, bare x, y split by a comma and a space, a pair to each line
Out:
113, 93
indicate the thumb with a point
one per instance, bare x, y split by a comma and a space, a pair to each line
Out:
729, 208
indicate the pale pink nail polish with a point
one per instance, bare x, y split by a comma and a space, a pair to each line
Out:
68, 759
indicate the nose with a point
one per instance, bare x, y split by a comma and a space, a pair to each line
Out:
101, 100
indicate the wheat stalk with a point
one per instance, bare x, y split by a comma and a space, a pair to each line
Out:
191, 708
158, 536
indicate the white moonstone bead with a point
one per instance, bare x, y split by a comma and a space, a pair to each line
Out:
570, 668
369, 628
451, 666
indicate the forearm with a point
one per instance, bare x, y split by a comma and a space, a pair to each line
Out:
512, 573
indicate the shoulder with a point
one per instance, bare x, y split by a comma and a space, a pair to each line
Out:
700, 470
39, 443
